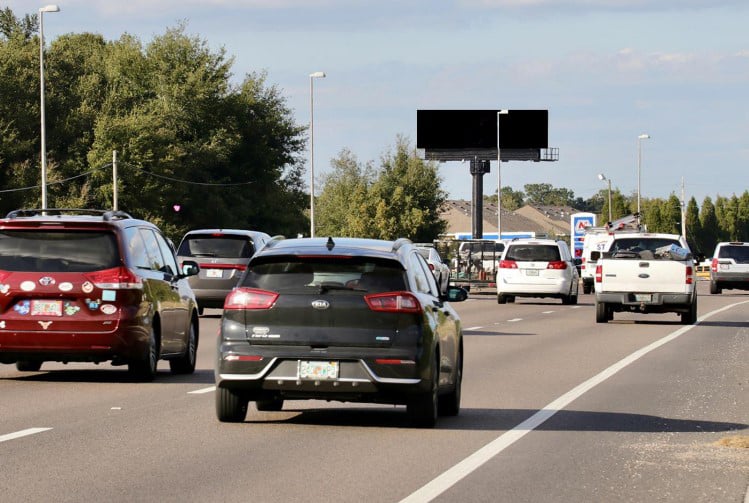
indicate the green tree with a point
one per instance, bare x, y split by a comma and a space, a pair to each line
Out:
742, 220
694, 235
709, 224
12, 26
544, 194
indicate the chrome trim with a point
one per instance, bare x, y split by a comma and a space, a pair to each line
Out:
248, 377
387, 380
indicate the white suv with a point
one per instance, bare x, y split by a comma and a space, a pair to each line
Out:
730, 267
537, 268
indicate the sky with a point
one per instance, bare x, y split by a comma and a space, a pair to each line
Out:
607, 71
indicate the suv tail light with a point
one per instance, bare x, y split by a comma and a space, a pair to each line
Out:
714, 265
599, 273
117, 278
508, 264
557, 264
393, 302
690, 275
238, 267
250, 298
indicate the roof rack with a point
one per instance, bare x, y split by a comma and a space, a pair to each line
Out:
33, 212
400, 242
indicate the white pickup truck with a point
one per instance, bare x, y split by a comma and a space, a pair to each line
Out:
646, 273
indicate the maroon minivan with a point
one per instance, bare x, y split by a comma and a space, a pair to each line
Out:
93, 286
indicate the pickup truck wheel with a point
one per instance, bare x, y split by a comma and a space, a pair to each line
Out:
501, 299
690, 317
602, 312
714, 288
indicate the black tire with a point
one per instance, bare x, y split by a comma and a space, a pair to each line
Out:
587, 287
423, 408
28, 365
200, 311
573, 300
272, 405
602, 314
690, 317
144, 368
566, 300
449, 404
185, 364
231, 407
501, 299
715, 288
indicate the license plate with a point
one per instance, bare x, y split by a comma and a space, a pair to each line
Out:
317, 370
531, 272
46, 308
213, 273
643, 297
725, 267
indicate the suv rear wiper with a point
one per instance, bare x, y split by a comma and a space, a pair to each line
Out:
325, 287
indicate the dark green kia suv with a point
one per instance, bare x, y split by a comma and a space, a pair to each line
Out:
341, 319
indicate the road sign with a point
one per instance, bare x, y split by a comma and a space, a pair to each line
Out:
578, 223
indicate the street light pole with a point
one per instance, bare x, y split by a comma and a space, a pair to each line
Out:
499, 180
639, 169
48, 8
603, 178
312, 77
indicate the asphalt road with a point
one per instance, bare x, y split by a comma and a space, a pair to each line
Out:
555, 408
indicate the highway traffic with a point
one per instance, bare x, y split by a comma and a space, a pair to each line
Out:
554, 408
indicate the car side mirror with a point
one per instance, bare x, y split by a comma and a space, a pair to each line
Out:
189, 268
456, 294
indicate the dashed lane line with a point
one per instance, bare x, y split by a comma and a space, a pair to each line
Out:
201, 391
474, 328
22, 433
514, 320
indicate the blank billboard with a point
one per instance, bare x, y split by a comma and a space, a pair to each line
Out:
477, 129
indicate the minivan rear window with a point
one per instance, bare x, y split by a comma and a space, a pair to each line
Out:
58, 251
224, 246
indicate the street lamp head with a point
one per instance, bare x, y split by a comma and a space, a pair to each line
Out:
643, 137
50, 8
317, 75
602, 177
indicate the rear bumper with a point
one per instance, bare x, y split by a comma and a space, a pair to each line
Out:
551, 289
657, 303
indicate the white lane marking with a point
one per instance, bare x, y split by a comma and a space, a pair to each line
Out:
514, 320
453, 475
547, 312
576, 307
201, 391
474, 328
22, 433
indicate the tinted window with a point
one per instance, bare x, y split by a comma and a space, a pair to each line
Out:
641, 244
533, 253
739, 253
136, 248
357, 274
153, 251
58, 251
206, 245
170, 263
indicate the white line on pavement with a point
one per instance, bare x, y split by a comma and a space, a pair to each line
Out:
474, 328
201, 391
453, 475
22, 433
546, 312
515, 319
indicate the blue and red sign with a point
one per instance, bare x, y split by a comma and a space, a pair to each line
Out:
579, 222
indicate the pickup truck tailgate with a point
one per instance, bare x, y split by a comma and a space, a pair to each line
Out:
637, 275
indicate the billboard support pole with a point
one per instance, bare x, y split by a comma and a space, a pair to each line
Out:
478, 169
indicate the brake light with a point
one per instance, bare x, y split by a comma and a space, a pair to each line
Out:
249, 298
557, 264
599, 273
238, 267
4, 274
714, 265
508, 264
393, 361
117, 278
690, 275
243, 358
393, 302
431, 267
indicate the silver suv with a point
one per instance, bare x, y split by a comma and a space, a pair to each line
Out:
223, 255
730, 267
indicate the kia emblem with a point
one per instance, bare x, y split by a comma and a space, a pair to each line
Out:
320, 304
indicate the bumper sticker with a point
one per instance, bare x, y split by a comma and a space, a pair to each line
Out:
65, 286
23, 308
108, 309
108, 295
28, 286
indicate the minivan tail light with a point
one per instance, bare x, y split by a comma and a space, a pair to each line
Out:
393, 302
557, 264
249, 298
599, 273
117, 278
690, 275
508, 264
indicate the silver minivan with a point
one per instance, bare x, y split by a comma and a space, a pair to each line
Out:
222, 255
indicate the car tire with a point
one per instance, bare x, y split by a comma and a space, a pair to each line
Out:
501, 299
201, 310
573, 300
602, 315
690, 317
423, 408
587, 287
566, 300
185, 364
28, 365
715, 288
449, 404
272, 405
144, 368
231, 407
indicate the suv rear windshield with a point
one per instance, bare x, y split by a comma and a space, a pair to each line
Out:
58, 251
533, 253
738, 253
356, 274
208, 245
